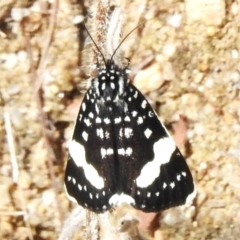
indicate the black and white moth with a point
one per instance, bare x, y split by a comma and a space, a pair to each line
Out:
120, 151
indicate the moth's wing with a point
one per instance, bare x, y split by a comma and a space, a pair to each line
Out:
154, 173
90, 173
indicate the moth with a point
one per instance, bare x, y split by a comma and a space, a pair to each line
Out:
120, 152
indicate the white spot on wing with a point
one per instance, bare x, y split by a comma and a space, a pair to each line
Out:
139, 120
118, 199
77, 152
128, 132
98, 120
121, 151
117, 120
103, 86
107, 135
172, 184
69, 178
85, 136
87, 122
150, 114
100, 133
184, 174
135, 94
91, 115
127, 119
164, 185
103, 152
163, 150
109, 151
83, 106
107, 120
112, 85
128, 151
97, 108
121, 132
74, 181
148, 132
79, 187
144, 104
134, 113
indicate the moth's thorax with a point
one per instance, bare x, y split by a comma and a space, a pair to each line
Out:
110, 82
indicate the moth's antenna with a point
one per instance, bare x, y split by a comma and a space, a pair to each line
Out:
125, 39
105, 62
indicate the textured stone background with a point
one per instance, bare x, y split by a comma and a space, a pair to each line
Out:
185, 59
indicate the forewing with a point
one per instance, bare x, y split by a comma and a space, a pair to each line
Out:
90, 173
153, 172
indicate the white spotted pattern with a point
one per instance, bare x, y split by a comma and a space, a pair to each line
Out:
120, 152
